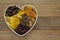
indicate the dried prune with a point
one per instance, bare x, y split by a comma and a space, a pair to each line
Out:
12, 10
21, 29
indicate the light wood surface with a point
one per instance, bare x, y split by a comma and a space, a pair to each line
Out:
47, 26
33, 35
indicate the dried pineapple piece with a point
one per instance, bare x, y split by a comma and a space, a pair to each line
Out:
13, 22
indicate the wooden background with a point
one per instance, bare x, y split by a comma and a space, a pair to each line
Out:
47, 26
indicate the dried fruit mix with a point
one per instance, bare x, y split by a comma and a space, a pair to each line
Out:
20, 20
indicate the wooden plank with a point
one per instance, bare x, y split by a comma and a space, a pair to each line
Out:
43, 9
50, 22
33, 35
28, 1
4, 35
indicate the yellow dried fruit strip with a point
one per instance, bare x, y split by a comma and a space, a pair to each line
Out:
13, 22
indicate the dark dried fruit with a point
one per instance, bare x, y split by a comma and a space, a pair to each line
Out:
12, 10
21, 29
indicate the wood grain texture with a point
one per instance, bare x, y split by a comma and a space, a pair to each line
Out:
50, 9
50, 22
33, 35
47, 26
